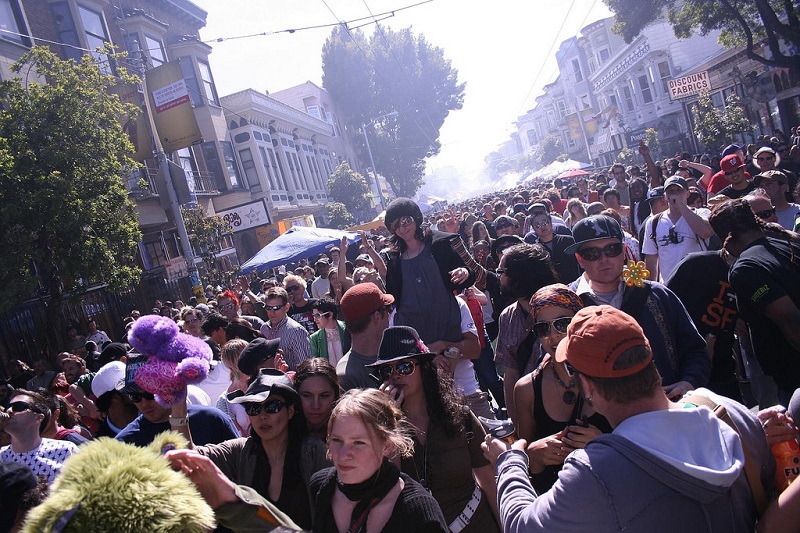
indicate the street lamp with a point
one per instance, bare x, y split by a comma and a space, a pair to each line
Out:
371, 160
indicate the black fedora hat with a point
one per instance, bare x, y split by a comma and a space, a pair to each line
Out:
400, 342
268, 382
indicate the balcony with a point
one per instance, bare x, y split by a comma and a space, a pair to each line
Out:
144, 183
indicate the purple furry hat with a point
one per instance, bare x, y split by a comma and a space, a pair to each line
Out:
174, 359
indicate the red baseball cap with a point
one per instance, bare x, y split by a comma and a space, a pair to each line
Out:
731, 162
362, 300
596, 337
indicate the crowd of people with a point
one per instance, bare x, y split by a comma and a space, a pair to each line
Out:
638, 326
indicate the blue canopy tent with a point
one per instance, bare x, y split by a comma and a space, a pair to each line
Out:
298, 242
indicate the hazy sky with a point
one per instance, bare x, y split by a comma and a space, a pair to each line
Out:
501, 50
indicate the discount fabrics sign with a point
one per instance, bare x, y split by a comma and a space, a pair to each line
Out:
689, 85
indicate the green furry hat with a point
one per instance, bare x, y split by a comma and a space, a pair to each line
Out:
113, 486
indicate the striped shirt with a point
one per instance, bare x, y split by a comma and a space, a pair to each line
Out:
294, 339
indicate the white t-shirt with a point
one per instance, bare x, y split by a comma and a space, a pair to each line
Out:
45, 460
464, 375
320, 288
217, 381
670, 253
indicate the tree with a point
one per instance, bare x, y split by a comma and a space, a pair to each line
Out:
65, 215
550, 149
745, 23
651, 141
387, 73
348, 187
338, 216
205, 233
625, 157
717, 127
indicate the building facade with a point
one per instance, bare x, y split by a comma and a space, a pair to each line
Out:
608, 92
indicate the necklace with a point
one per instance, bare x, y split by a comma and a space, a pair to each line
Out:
413, 262
569, 397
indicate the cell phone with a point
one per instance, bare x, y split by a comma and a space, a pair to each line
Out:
376, 379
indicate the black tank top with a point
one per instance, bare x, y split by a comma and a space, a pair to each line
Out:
546, 426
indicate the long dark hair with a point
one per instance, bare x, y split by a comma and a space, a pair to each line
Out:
318, 367
239, 328
398, 245
445, 406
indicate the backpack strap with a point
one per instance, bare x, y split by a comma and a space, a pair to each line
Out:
656, 220
750, 466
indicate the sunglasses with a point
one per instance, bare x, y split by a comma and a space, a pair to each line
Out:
766, 213
19, 407
292, 288
542, 329
403, 368
402, 222
594, 253
500, 271
273, 307
541, 224
270, 407
137, 397
317, 316
674, 236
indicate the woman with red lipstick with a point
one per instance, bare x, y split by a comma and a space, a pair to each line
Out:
551, 412
365, 492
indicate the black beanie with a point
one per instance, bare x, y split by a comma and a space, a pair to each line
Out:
402, 207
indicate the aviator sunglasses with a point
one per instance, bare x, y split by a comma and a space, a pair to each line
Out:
403, 368
542, 329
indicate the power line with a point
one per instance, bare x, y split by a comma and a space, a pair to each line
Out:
384, 15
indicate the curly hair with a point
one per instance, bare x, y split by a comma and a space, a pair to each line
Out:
445, 406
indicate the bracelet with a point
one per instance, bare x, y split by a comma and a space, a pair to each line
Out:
179, 422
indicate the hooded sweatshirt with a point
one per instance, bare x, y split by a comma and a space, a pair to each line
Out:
672, 470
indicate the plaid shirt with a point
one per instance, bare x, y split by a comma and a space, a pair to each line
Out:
515, 324
294, 339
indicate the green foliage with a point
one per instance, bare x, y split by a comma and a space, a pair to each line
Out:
401, 72
338, 216
205, 233
550, 149
740, 22
65, 215
625, 157
348, 187
717, 127
651, 141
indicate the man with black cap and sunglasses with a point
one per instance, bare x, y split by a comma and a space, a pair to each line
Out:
208, 424
672, 235
678, 349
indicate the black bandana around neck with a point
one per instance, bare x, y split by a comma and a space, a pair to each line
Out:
368, 494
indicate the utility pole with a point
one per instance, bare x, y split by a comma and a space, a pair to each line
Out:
371, 160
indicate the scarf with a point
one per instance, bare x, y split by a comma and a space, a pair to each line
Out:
368, 494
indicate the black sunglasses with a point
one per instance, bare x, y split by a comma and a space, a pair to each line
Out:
594, 253
292, 288
137, 397
274, 307
20, 406
403, 368
766, 213
270, 407
542, 329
